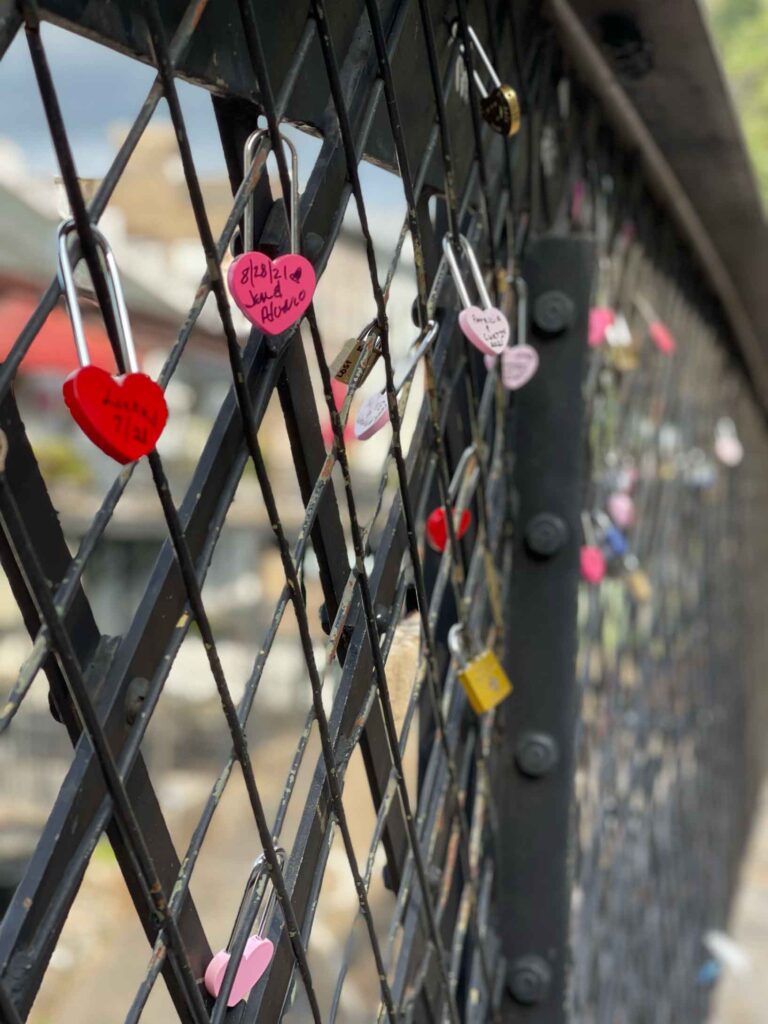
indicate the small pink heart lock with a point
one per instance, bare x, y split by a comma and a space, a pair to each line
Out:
272, 294
662, 337
483, 326
519, 363
621, 509
373, 414
600, 319
487, 329
258, 951
591, 558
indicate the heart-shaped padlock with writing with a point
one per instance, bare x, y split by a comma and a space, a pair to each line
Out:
484, 326
272, 294
124, 415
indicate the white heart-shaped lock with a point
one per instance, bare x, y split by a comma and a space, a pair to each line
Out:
518, 365
372, 415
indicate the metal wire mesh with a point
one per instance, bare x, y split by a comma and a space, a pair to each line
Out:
647, 751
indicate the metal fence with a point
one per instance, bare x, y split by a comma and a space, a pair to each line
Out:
562, 856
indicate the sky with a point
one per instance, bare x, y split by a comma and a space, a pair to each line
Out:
98, 88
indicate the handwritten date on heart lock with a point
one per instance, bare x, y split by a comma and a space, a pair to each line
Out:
256, 959
272, 294
124, 416
487, 329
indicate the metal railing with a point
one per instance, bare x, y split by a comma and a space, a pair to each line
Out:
593, 821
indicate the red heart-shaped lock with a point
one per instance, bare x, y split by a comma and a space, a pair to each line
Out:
436, 527
272, 294
124, 416
592, 563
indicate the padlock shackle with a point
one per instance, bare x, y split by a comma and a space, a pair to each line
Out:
464, 479
253, 144
260, 865
423, 342
521, 295
486, 60
456, 644
474, 268
477, 274
66, 275
588, 528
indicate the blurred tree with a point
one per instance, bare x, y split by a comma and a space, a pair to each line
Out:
741, 30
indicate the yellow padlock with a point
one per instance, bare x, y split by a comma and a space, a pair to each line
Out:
638, 581
483, 678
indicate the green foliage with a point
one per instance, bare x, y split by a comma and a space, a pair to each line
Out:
741, 31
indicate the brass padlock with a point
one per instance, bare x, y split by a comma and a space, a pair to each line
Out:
482, 676
368, 345
499, 105
638, 581
501, 110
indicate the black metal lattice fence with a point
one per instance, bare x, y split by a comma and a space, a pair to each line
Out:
664, 759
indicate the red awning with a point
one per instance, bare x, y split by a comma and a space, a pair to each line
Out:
53, 350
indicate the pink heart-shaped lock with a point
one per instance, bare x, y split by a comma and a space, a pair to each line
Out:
621, 509
490, 362
662, 338
272, 294
591, 563
372, 415
486, 329
600, 319
518, 364
256, 959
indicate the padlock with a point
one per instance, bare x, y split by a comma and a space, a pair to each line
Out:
482, 676
258, 950
373, 414
617, 332
125, 414
366, 345
621, 509
501, 109
592, 563
460, 491
612, 541
623, 359
485, 326
638, 581
728, 447
519, 360
273, 294
499, 105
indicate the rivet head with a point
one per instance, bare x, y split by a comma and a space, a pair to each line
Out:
135, 696
553, 312
536, 754
545, 534
529, 980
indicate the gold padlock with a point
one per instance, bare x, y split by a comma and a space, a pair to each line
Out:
368, 345
638, 581
501, 110
499, 105
483, 678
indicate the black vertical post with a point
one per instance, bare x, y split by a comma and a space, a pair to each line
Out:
536, 763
